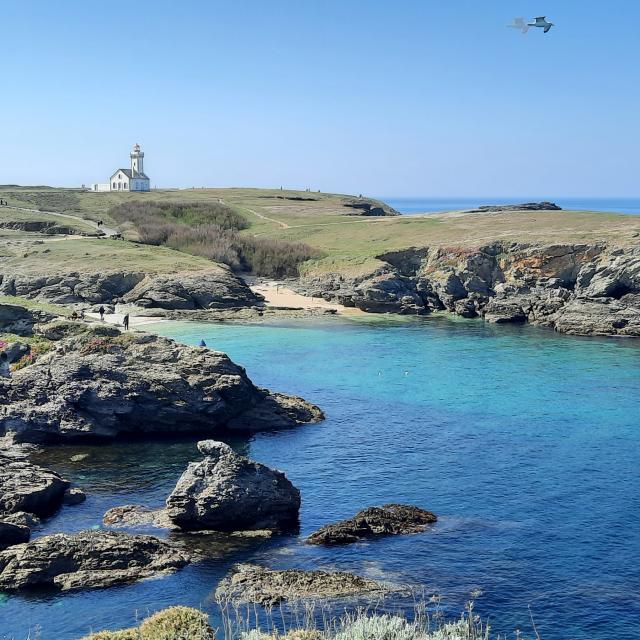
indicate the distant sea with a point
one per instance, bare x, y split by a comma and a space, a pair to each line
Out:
627, 206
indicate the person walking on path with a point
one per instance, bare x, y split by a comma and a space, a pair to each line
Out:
125, 322
101, 312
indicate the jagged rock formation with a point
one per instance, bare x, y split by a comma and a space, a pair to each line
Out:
584, 289
374, 522
527, 206
228, 492
100, 384
250, 583
26, 488
214, 288
86, 560
367, 207
18, 320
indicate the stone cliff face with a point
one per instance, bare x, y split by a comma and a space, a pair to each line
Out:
214, 288
99, 383
583, 289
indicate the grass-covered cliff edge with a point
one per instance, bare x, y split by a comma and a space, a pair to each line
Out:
577, 272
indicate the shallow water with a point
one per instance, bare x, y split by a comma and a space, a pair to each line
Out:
524, 442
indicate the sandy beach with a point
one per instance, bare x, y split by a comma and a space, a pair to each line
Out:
277, 294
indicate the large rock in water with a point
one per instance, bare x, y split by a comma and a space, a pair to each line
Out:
391, 519
25, 487
92, 385
228, 492
86, 560
250, 583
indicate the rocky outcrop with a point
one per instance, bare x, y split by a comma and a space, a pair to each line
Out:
374, 522
11, 533
584, 289
228, 492
527, 206
26, 487
367, 207
18, 320
133, 515
213, 288
86, 560
105, 384
250, 583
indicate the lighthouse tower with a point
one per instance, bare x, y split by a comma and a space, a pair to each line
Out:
137, 161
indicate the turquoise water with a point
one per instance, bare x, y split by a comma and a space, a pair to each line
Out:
627, 206
524, 442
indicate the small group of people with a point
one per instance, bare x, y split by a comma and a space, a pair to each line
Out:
3, 203
81, 316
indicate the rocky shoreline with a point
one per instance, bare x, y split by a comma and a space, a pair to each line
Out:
579, 289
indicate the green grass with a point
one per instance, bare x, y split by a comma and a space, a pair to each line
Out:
36, 305
96, 255
9, 216
351, 242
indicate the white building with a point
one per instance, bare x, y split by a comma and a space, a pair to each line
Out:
134, 179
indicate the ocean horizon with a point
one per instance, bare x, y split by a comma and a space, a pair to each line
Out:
413, 205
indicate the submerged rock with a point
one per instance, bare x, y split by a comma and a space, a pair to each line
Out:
100, 386
74, 496
133, 515
86, 560
228, 492
390, 519
250, 583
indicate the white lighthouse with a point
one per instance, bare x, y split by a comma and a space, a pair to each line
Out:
137, 160
134, 179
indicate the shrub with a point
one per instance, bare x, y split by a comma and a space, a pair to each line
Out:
212, 231
177, 623
174, 623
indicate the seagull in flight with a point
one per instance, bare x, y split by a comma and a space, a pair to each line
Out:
519, 23
541, 22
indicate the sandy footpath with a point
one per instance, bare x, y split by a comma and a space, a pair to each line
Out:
116, 319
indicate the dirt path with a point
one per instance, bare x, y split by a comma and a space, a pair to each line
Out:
281, 224
90, 223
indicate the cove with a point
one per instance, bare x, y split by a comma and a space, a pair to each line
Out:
524, 442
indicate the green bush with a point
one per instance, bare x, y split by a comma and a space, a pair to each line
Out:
175, 623
211, 230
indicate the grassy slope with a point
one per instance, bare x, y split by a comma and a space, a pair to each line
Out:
11, 215
350, 242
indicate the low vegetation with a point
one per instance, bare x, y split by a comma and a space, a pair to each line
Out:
175, 623
212, 230
183, 623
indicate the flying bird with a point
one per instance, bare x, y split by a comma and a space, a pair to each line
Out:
519, 23
542, 23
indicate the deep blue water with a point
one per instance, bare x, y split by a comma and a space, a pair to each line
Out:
524, 442
627, 206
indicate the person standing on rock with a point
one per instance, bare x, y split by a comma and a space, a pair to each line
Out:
101, 312
125, 322
5, 371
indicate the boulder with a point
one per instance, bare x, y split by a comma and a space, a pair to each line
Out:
250, 583
11, 534
373, 522
500, 311
26, 487
217, 288
86, 560
74, 496
102, 386
228, 492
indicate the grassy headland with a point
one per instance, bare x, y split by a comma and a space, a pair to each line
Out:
342, 240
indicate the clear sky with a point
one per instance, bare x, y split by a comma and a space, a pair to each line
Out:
394, 98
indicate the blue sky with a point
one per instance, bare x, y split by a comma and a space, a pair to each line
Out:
402, 98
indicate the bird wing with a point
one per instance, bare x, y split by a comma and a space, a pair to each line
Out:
541, 19
546, 29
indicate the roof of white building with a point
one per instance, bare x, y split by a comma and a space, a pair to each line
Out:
131, 174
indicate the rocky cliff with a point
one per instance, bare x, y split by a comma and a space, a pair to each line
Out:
582, 289
213, 288
95, 382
